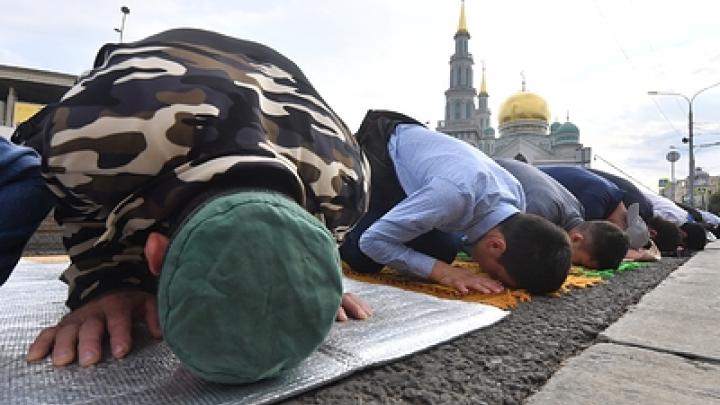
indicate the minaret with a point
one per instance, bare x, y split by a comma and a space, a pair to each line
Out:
460, 103
483, 84
483, 112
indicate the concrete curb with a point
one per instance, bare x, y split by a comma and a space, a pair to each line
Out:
665, 350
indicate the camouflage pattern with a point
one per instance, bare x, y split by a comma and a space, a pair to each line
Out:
155, 121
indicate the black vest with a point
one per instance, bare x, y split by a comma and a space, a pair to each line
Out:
373, 137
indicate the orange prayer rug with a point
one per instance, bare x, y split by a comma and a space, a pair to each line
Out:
508, 299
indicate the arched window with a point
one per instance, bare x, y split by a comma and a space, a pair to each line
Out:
456, 110
469, 109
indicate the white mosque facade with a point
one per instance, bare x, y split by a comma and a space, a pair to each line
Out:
524, 128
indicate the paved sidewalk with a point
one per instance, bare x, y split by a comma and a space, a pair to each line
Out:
666, 350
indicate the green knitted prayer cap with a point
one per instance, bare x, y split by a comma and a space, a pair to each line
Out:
250, 286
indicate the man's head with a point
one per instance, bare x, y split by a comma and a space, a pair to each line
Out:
667, 235
598, 245
525, 251
694, 237
249, 285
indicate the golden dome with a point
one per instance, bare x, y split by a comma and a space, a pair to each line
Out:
523, 106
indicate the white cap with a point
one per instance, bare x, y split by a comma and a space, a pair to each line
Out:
637, 230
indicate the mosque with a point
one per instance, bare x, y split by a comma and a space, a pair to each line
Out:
525, 132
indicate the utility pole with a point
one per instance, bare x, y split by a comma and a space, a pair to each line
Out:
689, 139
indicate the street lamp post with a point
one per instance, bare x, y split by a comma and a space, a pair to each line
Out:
691, 152
125, 11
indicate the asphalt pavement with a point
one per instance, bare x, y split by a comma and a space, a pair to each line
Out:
598, 345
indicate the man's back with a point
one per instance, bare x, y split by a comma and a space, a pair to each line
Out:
632, 193
159, 120
421, 155
598, 196
666, 209
545, 196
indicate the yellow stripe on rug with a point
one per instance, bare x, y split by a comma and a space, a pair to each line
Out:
508, 299
49, 259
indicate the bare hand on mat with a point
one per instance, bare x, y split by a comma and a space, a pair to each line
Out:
652, 254
353, 306
81, 332
464, 281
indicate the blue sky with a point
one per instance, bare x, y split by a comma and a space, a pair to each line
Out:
594, 58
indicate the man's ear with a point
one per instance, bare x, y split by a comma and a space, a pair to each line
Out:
576, 238
495, 244
155, 248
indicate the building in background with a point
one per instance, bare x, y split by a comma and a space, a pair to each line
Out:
524, 126
23, 92
705, 186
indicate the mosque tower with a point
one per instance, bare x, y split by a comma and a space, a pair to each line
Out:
523, 119
482, 117
462, 119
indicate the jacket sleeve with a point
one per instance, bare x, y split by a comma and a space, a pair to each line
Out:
99, 267
433, 207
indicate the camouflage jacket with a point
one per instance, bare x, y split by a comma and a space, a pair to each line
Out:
157, 120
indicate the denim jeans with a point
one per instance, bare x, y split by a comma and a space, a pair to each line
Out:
25, 201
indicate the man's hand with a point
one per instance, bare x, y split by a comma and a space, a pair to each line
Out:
651, 254
82, 331
643, 255
354, 306
464, 281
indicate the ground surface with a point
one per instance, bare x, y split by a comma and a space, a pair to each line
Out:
505, 363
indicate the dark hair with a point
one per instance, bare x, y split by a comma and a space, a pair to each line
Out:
607, 243
667, 235
537, 254
695, 238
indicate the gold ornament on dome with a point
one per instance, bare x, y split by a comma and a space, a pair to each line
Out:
524, 106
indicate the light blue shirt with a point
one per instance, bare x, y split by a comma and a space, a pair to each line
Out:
451, 186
